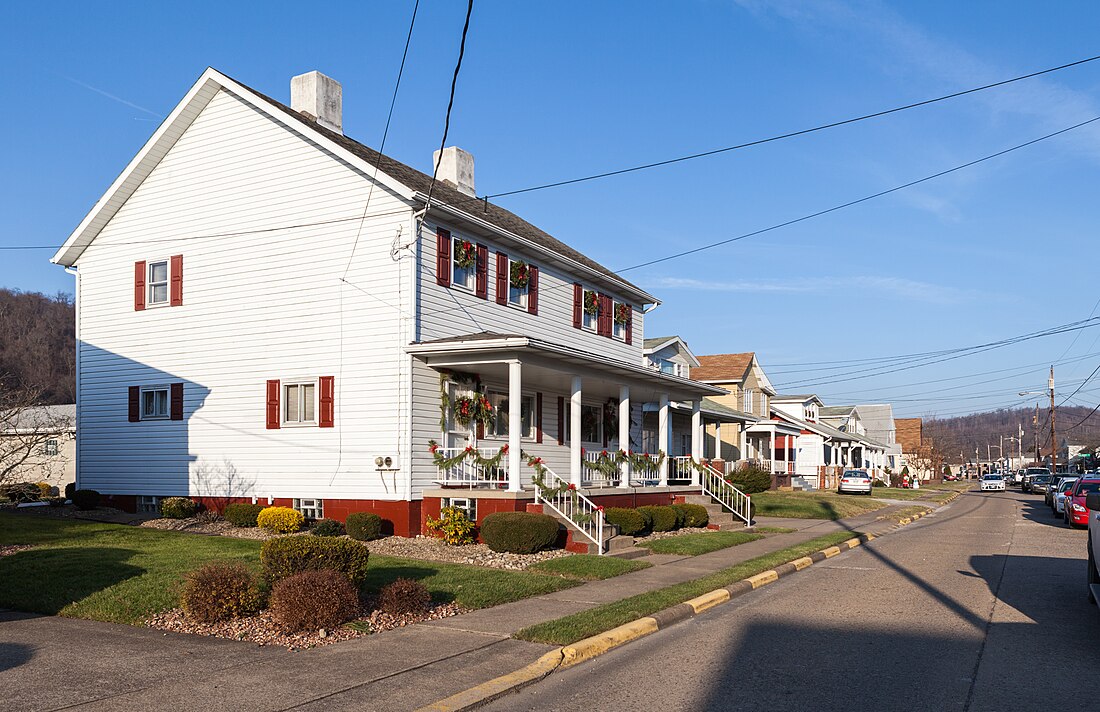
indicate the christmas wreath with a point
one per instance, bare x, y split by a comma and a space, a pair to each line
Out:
622, 313
465, 254
476, 409
591, 303
520, 274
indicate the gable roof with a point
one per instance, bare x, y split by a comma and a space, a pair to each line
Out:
408, 182
658, 343
723, 367
796, 398
835, 411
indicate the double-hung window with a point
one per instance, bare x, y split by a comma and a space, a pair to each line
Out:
518, 273
749, 400
463, 263
300, 403
501, 409
154, 403
591, 310
157, 283
618, 320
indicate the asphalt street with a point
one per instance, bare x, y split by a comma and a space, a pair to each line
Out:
981, 606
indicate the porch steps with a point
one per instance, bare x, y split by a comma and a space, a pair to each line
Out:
720, 517
615, 544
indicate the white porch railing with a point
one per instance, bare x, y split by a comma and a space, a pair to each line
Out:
581, 512
591, 477
732, 466
681, 469
650, 472
470, 474
733, 499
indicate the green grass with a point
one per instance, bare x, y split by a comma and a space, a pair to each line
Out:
774, 530
700, 543
898, 493
578, 626
813, 505
123, 574
586, 567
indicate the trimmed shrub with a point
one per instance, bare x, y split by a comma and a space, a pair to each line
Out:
453, 527
85, 499
519, 532
327, 527
663, 518
629, 521
312, 600
290, 555
69, 489
177, 508
208, 516
404, 597
751, 480
280, 520
45, 490
695, 515
218, 591
364, 526
243, 514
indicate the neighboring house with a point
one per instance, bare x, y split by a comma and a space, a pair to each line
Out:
758, 437
247, 330
820, 448
916, 453
866, 452
879, 425
38, 444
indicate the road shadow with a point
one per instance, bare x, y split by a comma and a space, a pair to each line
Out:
12, 655
47, 580
1035, 509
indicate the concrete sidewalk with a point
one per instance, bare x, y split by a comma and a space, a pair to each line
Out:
49, 663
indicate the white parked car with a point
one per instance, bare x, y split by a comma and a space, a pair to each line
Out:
854, 482
993, 482
1058, 499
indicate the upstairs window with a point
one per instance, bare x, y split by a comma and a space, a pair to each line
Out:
158, 283
519, 279
154, 403
591, 308
749, 400
620, 320
463, 263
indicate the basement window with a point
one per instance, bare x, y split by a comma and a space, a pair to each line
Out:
311, 509
466, 504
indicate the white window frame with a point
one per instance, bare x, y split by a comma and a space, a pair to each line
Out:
750, 400
495, 397
466, 504
150, 284
618, 331
470, 283
521, 296
148, 504
585, 316
311, 508
283, 401
51, 447
167, 402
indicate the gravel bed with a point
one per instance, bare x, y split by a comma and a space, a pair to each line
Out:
14, 549
670, 535
193, 525
262, 629
432, 549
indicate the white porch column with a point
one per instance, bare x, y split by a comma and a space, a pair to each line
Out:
696, 437
663, 436
575, 432
718, 440
745, 442
515, 424
624, 434
771, 455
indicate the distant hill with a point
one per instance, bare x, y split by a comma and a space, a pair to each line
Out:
38, 344
963, 434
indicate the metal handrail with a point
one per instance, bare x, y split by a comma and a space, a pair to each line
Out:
733, 499
469, 474
582, 513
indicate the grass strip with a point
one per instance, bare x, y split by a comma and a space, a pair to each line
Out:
813, 505
123, 574
699, 543
586, 567
774, 530
585, 624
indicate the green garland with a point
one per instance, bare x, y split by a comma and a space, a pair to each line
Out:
547, 492
469, 453
609, 463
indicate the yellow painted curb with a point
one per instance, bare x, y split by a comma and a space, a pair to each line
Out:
802, 563
505, 683
599, 644
853, 542
709, 600
905, 521
831, 552
762, 579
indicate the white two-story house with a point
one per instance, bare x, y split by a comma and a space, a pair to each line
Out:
268, 310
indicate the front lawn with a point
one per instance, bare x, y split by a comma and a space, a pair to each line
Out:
813, 505
123, 574
701, 543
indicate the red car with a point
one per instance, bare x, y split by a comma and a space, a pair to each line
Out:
1076, 514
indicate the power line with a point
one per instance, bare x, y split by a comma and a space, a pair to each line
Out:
792, 134
450, 104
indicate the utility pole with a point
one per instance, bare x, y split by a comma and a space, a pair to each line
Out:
1053, 442
1035, 427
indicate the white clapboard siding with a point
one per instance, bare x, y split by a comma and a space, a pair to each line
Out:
256, 306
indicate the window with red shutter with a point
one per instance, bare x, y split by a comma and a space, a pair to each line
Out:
134, 403
481, 280
578, 305
177, 280
533, 291
327, 401
139, 285
443, 257
273, 421
502, 278
175, 408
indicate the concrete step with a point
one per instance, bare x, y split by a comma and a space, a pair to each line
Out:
634, 552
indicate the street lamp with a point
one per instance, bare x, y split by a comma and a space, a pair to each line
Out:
1053, 441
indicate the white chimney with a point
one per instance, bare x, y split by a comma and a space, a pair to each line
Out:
319, 97
457, 168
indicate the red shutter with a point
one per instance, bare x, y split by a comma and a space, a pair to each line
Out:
273, 405
533, 291
502, 278
561, 420
134, 404
578, 306
327, 402
629, 324
177, 281
538, 417
139, 285
480, 430
603, 323
175, 393
481, 280
443, 257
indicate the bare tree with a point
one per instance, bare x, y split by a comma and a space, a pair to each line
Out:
30, 436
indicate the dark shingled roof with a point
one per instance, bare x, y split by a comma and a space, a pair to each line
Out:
448, 194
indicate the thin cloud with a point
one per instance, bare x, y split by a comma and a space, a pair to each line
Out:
112, 97
896, 287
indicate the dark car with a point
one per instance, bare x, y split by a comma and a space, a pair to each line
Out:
1039, 484
1031, 473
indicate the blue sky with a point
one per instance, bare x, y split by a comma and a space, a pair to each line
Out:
553, 90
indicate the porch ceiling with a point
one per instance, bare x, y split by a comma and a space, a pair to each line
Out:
552, 367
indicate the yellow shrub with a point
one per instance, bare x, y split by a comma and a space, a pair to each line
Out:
281, 520
45, 489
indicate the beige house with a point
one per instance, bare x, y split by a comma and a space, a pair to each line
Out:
39, 445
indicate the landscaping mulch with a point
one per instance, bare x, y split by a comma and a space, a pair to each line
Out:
262, 629
432, 549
